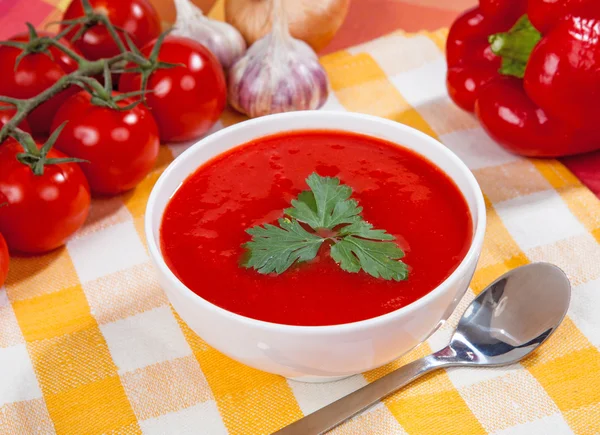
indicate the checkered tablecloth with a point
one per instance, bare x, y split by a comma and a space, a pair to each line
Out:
89, 344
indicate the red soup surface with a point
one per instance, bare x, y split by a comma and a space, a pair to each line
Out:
204, 225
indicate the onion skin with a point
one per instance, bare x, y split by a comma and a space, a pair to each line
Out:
166, 9
313, 21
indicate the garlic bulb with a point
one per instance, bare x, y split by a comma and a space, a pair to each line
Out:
312, 21
277, 74
222, 39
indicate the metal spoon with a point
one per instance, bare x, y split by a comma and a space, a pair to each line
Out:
505, 323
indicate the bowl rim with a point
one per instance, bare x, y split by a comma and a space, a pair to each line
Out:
471, 256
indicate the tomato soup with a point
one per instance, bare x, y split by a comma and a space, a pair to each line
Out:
204, 227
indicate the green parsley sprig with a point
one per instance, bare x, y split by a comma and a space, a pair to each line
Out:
354, 245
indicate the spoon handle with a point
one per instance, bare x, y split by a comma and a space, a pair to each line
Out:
335, 413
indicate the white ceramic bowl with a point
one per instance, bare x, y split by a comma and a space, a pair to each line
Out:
315, 353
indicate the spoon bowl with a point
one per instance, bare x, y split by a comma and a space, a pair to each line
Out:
504, 323
512, 317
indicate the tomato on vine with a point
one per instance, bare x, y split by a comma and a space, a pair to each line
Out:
7, 111
29, 67
136, 17
187, 98
46, 194
117, 137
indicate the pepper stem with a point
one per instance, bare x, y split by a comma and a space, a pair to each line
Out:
515, 46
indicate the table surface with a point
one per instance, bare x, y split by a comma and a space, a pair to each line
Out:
78, 321
366, 20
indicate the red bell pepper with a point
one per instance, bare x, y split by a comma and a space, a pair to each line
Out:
530, 69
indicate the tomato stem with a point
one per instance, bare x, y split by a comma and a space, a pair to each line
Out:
112, 31
32, 32
90, 19
77, 58
83, 76
26, 141
13, 101
86, 71
36, 158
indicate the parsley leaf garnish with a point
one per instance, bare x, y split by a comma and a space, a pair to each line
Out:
378, 259
326, 205
275, 249
355, 245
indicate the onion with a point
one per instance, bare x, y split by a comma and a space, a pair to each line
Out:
312, 21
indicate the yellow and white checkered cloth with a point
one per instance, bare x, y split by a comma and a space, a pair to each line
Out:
89, 344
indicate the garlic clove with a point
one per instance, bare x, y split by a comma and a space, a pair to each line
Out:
222, 39
277, 74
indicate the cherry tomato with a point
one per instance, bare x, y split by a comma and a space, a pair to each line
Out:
137, 17
121, 146
186, 100
3, 260
43, 210
6, 115
35, 73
